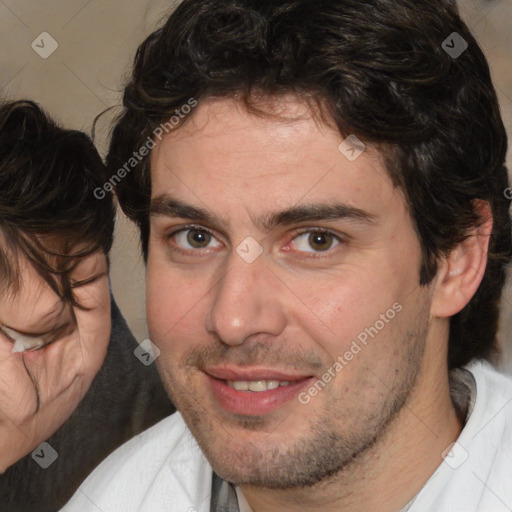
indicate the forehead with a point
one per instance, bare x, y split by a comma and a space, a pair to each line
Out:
264, 162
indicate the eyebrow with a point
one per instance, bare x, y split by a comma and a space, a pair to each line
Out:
168, 206
314, 213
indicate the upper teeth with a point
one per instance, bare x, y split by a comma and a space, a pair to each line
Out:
22, 343
256, 385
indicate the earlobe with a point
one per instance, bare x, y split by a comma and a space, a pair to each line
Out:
460, 274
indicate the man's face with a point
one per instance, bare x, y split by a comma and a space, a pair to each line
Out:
40, 388
270, 254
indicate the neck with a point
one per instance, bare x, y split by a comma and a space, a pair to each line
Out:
390, 473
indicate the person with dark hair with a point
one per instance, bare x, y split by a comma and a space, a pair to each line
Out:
319, 187
57, 316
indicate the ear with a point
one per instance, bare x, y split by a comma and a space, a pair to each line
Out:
460, 274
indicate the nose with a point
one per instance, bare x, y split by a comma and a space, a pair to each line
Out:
246, 302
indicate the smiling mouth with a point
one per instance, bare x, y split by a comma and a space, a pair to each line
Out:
256, 386
254, 391
255, 380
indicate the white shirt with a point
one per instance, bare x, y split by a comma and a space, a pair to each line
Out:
163, 469
242, 502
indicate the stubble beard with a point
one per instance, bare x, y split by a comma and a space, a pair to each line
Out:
320, 454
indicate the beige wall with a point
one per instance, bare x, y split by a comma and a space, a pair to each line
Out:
96, 40
96, 43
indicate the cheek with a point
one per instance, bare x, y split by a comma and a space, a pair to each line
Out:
95, 328
339, 308
103, 319
95, 353
175, 307
100, 353
175, 325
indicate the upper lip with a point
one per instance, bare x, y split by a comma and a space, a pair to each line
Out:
252, 374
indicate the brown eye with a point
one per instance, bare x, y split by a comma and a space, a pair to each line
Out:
195, 238
321, 241
198, 238
315, 241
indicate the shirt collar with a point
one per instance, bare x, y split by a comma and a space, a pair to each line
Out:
228, 498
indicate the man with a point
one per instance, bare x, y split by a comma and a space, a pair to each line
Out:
62, 382
326, 235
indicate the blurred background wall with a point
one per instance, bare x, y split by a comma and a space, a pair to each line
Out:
93, 44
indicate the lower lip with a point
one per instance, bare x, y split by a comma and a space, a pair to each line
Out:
254, 403
34, 354
30, 353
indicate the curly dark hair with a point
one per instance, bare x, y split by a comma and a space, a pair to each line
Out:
377, 69
48, 213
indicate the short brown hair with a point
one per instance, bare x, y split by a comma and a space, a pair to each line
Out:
382, 72
48, 213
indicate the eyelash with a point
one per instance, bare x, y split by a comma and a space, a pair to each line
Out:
292, 236
317, 254
49, 338
189, 227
